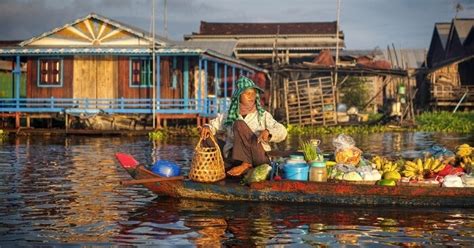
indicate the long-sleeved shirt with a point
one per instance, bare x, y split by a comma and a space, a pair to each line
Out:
277, 130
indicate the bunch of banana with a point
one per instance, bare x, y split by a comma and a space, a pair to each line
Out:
414, 169
383, 165
465, 162
418, 169
464, 150
464, 155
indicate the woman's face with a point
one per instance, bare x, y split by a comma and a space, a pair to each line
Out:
248, 96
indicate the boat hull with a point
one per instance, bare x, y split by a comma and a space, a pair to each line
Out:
330, 193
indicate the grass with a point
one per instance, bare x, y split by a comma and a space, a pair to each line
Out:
462, 122
3, 135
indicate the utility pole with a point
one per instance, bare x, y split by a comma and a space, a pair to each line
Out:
337, 50
153, 76
165, 18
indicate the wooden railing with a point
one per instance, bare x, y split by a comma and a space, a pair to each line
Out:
451, 95
205, 107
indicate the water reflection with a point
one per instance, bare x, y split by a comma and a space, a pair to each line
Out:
58, 190
259, 224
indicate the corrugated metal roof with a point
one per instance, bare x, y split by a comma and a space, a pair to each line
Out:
22, 51
406, 58
217, 28
223, 47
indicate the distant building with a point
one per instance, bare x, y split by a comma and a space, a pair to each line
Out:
449, 75
261, 43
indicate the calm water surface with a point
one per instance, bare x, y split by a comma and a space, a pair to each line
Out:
65, 191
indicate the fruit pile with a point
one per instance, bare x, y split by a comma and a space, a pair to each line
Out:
438, 163
464, 156
420, 169
388, 169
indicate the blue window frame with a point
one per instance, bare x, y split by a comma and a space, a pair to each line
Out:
50, 72
140, 72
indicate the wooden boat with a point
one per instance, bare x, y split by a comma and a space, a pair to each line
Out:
332, 193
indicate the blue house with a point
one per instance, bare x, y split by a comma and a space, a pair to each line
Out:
95, 66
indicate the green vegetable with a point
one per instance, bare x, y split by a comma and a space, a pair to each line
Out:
257, 174
310, 151
387, 182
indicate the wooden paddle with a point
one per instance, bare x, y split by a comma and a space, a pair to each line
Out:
151, 180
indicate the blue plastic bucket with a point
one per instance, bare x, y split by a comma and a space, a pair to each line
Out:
166, 168
296, 171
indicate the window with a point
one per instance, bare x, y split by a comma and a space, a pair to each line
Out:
50, 73
140, 72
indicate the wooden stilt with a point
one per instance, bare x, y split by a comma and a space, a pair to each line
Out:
66, 122
158, 121
17, 120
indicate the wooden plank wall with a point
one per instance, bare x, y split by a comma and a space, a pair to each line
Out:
165, 87
85, 85
124, 90
310, 101
32, 89
107, 74
95, 77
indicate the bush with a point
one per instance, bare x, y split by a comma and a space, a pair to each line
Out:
355, 92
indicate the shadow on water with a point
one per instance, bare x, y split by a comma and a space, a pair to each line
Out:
167, 221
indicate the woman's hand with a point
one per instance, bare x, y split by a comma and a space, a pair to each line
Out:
264, 136
204, 132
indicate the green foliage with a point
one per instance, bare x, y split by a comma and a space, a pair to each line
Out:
365, 129
3, 135
462, 122
157, 135
428, 122
374, 117
355, 92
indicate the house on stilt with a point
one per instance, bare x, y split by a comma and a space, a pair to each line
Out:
449, 73
100, 70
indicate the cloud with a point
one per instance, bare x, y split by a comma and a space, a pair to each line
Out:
366, 23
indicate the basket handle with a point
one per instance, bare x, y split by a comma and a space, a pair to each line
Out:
213, 139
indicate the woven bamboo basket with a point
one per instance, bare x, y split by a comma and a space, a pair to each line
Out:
207, 164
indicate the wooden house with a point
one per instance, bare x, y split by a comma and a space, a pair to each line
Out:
262, 43
98, 66
449, 76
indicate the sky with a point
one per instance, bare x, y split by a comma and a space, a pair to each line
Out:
366, 24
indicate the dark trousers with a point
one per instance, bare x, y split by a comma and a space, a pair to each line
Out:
246, 147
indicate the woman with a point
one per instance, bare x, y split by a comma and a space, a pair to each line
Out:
248, 128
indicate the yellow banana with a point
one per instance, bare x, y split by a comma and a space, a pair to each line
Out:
435, 164
427, 163
419, 164
439, 168
410, 164
408, 173
464, 146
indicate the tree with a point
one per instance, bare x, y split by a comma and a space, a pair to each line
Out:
355, 92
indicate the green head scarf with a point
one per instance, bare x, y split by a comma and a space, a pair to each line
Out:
241, 85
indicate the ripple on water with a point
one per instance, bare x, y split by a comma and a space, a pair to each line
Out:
65, 191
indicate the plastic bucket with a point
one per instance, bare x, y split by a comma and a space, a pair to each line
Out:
166, 168
401, 90
296, 171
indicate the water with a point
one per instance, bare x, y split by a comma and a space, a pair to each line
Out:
57, 191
